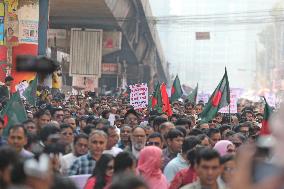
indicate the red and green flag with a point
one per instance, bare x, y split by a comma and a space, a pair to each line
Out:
193, 95
219, 99
265, 129
165, 100
30, 92
156, 99
13, 113
176, 91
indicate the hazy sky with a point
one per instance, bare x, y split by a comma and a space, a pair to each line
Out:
233, 46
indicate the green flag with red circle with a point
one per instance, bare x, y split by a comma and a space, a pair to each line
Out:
219, 99
176, 90
13, 113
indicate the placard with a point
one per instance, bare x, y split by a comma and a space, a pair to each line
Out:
139, 96
203, 97
234, 96
271, 99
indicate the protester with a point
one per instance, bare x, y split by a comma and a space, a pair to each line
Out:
124, 162
2, 141
228, 169
80, 148
174, 141
112, 141
155, 139
149, 167
70, 121
42, 117
224, 147
102, 174
214, 135
124, 137
8, 158
30, 126
48, 135
180, 162
207, 176
86, 163
138, 141
67, 135
132, 118
204, 140
187, 175
158, 121
17, 139
5, 90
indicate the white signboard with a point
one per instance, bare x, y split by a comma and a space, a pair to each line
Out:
271, 99
21, 87
203, 97
234, 96
139, 96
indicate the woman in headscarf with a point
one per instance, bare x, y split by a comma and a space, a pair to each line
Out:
225, 147
149, 167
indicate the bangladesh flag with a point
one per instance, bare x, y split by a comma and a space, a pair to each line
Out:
165, 100
13, 113
176, 91
193, 95
30, 92
156, 100
219, 99
265, 124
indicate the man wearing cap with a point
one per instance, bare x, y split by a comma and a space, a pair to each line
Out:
131, 118
5, 90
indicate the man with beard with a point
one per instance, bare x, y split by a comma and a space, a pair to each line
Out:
138, 141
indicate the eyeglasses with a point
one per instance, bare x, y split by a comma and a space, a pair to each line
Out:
153, 144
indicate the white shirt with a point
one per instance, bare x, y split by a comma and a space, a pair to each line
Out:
66, 161
111, 119
113, 151
135, 153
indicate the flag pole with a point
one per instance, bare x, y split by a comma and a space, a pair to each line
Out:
230, 114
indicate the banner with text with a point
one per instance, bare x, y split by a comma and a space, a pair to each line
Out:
139, 96
235, 94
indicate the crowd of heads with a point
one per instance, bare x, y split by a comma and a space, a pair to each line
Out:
109, 140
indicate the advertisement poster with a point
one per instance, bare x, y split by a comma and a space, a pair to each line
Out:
139, 96
2, 9
28, 32
12, 33
12, 8
1, 30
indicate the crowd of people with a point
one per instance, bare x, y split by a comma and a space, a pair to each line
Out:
107, 144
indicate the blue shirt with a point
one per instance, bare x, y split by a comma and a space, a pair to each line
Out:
82, 165
174, 166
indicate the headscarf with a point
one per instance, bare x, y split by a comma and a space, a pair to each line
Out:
149, 166
222, 147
